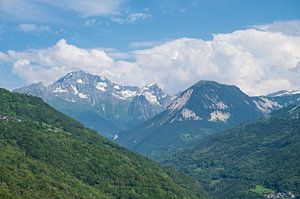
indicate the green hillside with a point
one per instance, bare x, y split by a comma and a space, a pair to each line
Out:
44, 154
249, 160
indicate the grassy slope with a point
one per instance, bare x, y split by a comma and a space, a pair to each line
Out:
48, 155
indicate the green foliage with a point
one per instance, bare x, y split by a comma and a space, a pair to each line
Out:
263, 152
261, 190
48, 155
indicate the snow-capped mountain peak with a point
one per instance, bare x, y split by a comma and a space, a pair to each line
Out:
88, 87
181, 101
150, 86
283, 93
155, 95
122, 106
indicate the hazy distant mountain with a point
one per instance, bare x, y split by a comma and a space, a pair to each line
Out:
283, 93
285, 98
202, 110
99, 103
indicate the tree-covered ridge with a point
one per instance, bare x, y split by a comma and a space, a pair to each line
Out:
45, 154
260, 154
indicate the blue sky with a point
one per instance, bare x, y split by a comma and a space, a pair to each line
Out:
165, 20
123, 26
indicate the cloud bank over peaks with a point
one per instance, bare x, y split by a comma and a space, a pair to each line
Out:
258, 61
287, 27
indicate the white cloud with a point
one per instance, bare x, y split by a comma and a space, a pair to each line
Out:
29, 27
137, 16
3, 56
90, 22
247, 58
49, 64
257, 61
131, 18
40, 11
145, 44
89, 8
21, 10
287, 27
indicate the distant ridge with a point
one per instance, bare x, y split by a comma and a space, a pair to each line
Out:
202, 110
100, 104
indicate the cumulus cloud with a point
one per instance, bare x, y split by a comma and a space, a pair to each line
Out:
49, 64
145, 44
249, 58
258, 61
29, 27
287, 27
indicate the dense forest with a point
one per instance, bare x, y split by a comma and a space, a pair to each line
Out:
249, 160
45, 154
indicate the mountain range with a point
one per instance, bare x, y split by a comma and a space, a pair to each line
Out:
235, 145
100, 104
149, 121
202, 110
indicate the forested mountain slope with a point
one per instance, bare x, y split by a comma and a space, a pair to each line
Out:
249, 159
45, 154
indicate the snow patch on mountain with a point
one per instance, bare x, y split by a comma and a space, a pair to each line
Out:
181, 101
151, 98
284, 93
101, 86
295, 92
211, 98
59, 90
189, 115
128, 93
219, 116
246, 102
220, 105
82, 96
216, 102
266, 105
117, 87
79, 81
116, 137
75, 90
